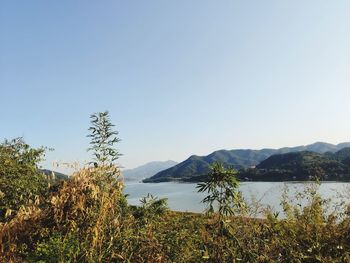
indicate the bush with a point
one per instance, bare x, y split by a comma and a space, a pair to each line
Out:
21, 182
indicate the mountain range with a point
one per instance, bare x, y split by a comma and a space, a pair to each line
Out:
146, 170
196, 167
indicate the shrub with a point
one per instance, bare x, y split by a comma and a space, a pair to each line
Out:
21, 182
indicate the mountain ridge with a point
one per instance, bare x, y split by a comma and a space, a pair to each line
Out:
146, 170
197, 166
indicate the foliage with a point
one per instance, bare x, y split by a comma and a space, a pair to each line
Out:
78, 210
21, 182
222, 187
56, 249
103, 138
151, 208
83, 222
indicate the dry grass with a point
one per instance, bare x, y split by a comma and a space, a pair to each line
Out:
87, 219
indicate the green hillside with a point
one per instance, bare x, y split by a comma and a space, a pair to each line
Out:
299, 166
196, 167
342, 155
295, 160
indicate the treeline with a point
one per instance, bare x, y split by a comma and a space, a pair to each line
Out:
87, 218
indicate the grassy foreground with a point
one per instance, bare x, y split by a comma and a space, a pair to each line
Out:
87, 219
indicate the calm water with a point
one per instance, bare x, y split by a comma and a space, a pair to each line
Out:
184, 196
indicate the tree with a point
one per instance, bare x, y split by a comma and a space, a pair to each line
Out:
151, 209
21, 181
222, 187
103, 138
223, 194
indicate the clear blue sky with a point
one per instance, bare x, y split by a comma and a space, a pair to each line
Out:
178, 77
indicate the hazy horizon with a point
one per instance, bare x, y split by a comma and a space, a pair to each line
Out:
178, 78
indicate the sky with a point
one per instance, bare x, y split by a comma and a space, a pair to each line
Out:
178, 77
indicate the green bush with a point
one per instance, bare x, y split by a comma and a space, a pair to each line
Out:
21, 182
57, 248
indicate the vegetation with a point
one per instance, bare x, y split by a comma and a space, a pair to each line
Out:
54, 175
103, 138
222, 187
87, 219
21, 182
105, 155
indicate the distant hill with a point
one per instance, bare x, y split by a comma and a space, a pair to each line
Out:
195, 167
146, 170
341, 155
55, 175
299, 166
198, 166
292, 160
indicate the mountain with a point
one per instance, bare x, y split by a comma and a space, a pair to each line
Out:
299, 166
195, 167
288, 161
341, 155
146, 170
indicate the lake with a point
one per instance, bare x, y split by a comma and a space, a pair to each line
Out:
184, 196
